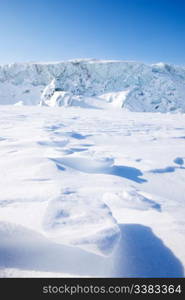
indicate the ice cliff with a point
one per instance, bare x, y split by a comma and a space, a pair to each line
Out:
127, 85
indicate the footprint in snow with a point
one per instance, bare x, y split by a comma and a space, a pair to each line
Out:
179, 161
77, 135
54, 127
170, 169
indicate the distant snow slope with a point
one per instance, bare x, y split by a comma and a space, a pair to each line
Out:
88, 192
92, 83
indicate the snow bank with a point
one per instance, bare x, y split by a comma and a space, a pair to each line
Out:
78, 219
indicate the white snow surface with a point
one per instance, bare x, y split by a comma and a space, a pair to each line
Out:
94, 83
90, 192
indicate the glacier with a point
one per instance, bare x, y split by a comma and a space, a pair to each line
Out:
131, 86
92, 169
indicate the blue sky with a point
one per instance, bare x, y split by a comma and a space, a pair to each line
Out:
49, 30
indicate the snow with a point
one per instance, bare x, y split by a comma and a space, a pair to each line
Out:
91, 192
132, 86
116, 98
68, 217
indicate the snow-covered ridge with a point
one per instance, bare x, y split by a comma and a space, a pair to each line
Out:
128, 85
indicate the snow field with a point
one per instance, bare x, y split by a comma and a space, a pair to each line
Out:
89, 192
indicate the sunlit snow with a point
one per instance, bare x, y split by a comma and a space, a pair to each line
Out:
89, 188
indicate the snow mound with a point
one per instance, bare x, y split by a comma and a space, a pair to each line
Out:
78, 219
128, 85
130, 198
85, 164
117, 99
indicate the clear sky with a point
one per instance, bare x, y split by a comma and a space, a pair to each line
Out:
50, 30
